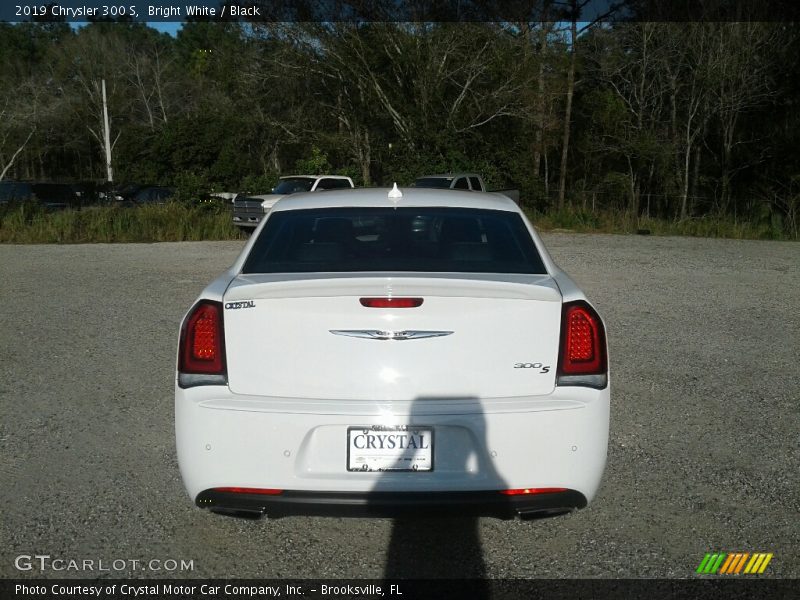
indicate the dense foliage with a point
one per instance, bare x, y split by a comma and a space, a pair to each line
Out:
677, 121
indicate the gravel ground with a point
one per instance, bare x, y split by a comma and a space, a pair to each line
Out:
703, 456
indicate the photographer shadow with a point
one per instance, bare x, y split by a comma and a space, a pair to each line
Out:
436, 535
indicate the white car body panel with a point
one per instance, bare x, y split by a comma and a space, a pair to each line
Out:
307, 313
251, 441
269, 200
294, 387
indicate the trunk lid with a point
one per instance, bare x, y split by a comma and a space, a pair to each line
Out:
474, 336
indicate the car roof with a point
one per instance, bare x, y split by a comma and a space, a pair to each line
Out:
379, 197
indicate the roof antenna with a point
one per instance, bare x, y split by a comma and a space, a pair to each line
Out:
395, 194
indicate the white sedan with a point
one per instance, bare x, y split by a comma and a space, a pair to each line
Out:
374, 352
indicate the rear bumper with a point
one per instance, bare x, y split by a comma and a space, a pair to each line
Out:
246, 219
481, 446
391, 504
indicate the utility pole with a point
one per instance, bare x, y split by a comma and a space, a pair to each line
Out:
107, 136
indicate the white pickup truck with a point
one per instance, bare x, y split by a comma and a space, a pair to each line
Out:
461, 181
248, 210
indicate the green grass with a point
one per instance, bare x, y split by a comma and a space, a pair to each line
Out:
28, 224
614, 222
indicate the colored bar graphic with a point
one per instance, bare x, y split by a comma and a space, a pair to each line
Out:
711, 563
741, 562
718, 562
703, 564
734, 563
764, 564
727, 563
755, 560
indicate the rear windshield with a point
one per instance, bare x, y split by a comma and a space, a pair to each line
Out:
455, 240
433, 182
293, 185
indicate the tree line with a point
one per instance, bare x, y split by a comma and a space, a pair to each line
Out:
667, 120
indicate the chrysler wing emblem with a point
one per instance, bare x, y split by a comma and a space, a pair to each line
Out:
376, 334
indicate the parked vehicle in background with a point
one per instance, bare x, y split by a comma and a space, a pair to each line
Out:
88, 193
51, 196
452, 181
153, 195
123, 194
15, 191
461, 181
220, 197
249, 209
56, 196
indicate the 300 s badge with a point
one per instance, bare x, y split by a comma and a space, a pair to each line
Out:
536, 365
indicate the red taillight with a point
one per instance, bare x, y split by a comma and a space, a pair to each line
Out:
245, 490
391, 302
202, 347
523, 491
583, 341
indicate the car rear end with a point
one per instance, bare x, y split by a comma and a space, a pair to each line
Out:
378, 358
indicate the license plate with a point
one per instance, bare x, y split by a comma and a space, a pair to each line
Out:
393, 448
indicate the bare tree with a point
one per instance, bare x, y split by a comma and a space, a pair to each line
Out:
439, 77
562, 173
146, 73
22, 111
574, 12
537, 56
6, 165
543, 33
89, 58
276, 75
688, 66
6, 130
414, 82
740, 82
630, 68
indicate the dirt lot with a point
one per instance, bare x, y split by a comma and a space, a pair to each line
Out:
705, 438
